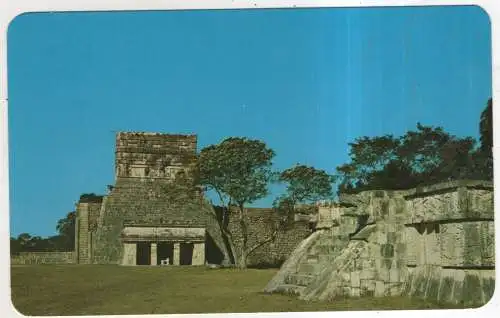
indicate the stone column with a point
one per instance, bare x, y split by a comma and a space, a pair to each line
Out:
89, 250
77, 236
129, 254
198, 254
83, 232
177, 254
153, 254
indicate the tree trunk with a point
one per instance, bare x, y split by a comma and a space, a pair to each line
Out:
230, 246
242, 260
243, 256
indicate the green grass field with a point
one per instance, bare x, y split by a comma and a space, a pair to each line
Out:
92, 290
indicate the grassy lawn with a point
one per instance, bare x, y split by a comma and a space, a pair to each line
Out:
94, 289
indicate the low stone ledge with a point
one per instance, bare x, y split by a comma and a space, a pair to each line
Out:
448, 186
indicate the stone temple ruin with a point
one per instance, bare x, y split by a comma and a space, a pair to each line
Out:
434, 242
153, 215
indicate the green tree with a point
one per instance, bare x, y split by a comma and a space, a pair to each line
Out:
425, 155
15, 246
486, 127
304, 185
239, 171
24, 238
483, 157
90, 198
66, 229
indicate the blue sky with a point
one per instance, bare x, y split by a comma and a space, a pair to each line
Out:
305, 81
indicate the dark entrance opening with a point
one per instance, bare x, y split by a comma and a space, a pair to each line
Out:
143, 253
186, 253
165, 250
212, 252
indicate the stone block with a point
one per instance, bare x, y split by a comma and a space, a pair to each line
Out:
383, 274
177, 254
458, 289
365, 253
391, 228
487, 236
391, 237
129, 254
368, 263
408, 282
345, 278
480, 203
433, 284
379, 288
435, 207
366, 274
345, 291
394, 275
419, 282
358, 265
472, 289
381, 237
446, 288
467, 244
432, 249
199, 254
355, 279
488, 284
374, 250
367, 284
400, 249
393, 289
153, 253
387, 250
355, 292
420, 252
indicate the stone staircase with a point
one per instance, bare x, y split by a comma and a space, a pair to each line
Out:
317, 257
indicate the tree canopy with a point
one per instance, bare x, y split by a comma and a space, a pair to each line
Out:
306, 184
486, 128
237, 168
64, 241
239, 171
422, 156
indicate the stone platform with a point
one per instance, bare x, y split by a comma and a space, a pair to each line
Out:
434, 242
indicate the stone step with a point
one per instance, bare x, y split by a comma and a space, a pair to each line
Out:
319, 258
299, 279
326, 258
289, 289
309, 268
312, 258
324, 249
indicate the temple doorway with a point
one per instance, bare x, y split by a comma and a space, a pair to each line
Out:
186, 253
165, 250
143, 256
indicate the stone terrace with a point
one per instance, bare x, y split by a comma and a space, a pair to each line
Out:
433, 242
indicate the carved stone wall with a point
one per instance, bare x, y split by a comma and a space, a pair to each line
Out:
87, 215
433, 242
150, 203
153, 155
260, 226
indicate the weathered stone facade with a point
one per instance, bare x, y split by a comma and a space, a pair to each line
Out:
260, 221
433, 242
154, 155
85, 228
155, 214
